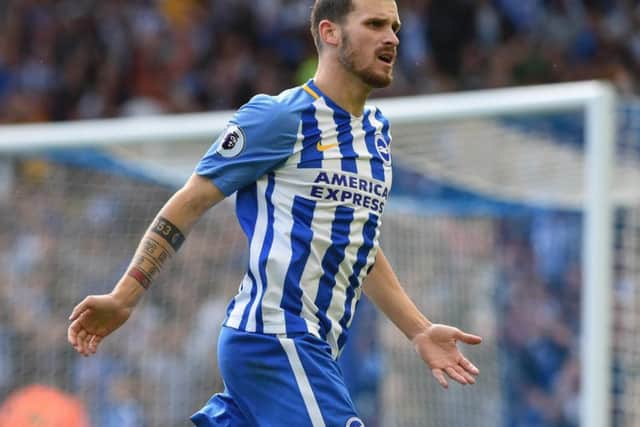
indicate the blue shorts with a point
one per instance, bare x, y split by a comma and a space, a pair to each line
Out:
273, 381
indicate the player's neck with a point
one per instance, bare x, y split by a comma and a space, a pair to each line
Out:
345, 89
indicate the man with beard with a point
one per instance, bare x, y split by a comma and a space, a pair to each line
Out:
312, 171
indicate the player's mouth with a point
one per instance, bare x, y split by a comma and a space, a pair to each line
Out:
387, 58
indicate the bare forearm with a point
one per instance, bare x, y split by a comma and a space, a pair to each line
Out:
383, 288
164, 237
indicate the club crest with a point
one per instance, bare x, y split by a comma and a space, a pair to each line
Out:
382, 146
354, 422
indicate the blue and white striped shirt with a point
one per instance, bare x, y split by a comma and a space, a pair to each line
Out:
312, 181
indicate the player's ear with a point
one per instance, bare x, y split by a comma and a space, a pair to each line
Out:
329, 32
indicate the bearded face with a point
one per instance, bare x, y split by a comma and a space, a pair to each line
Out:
365, 62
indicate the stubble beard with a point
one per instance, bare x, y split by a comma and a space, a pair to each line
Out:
346, 55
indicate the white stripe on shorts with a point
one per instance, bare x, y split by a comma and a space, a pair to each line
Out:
303, 382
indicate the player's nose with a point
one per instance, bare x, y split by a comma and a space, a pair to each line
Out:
391, 38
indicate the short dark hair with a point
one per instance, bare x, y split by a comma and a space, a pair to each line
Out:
333, 10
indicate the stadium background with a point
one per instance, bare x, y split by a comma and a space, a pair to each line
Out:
67, 60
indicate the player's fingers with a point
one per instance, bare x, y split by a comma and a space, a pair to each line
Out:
80, 308
469, 367
82, 341
468, 338
93, 344
454, 375
439, 375
467, 376
72, 333
89, 348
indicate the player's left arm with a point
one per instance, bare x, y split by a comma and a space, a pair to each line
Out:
436, 343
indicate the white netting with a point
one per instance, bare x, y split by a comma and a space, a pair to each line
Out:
70, 231
626, 315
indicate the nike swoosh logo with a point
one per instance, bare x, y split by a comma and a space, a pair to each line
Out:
326, 147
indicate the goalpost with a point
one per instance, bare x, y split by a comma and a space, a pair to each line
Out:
474, 144
598, 102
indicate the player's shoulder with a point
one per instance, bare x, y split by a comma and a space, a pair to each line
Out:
289, 101
282, 110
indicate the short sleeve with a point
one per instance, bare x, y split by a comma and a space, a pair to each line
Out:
259, 138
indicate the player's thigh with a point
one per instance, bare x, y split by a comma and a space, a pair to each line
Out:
282, 382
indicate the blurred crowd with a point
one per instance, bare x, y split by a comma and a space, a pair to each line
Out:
79, 59
67, 232
538, 300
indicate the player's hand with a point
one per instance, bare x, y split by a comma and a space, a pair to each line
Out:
437, 347
93, 319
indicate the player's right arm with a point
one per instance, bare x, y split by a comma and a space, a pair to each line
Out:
260, 137
99, 315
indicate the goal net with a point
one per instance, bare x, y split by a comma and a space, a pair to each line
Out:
499, 200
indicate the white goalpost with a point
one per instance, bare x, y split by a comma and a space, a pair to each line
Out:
598, 102
448, 256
